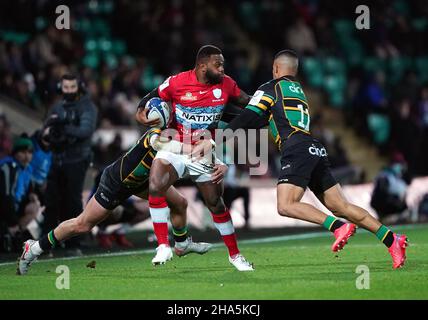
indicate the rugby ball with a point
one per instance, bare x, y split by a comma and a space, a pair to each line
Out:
158, 109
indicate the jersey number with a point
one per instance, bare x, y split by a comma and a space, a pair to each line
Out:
301, 123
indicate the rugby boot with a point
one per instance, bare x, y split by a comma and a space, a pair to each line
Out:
27, 258
240, 263
188, 246
163, 254
398, 250
342, 236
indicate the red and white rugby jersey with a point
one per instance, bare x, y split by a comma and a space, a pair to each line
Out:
196, 106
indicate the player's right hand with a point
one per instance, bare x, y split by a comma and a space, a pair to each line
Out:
141, 117
219, 172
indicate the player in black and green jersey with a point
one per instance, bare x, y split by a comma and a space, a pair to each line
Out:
127, 176
282, 104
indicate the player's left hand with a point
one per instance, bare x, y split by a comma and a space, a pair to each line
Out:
219, 173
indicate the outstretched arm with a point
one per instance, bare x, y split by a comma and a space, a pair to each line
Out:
158, 142
164, 144
254, 116
248, 119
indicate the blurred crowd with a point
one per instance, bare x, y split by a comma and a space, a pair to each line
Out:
395, 120
373, 75
5, 137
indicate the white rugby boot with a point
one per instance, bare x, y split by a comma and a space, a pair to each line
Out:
163, 254
240, 263
27, 258
188, 246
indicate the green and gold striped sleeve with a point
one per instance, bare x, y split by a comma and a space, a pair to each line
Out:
149, 134
261, 102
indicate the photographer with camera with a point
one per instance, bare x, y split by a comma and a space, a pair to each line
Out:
68, 130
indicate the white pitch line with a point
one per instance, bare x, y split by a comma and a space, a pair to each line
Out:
219, 244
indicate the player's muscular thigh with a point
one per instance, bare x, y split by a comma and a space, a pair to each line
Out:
162, 176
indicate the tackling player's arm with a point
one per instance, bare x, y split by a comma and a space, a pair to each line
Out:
235, 107
256, 113
159, 143
254, 116
249, 119
258, 110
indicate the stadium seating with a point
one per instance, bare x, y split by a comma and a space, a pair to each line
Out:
135, 62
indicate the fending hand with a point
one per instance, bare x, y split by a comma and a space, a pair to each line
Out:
219, 173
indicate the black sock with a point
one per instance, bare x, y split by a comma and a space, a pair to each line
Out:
385, 235
48, 241
180, 235
331, 223
389, 239
336, 224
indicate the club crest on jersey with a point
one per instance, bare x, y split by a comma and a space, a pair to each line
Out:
217, 93
188, 97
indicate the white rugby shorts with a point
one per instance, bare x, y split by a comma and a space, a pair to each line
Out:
198, 171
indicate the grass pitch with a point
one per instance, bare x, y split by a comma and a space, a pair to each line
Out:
290, 267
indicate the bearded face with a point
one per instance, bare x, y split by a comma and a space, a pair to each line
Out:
214, 77
215, 69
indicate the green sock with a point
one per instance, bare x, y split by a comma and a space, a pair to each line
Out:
332, 223
385, 235
180, 235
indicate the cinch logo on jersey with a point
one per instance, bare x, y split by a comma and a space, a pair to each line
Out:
317, 151
197, 117
295, 89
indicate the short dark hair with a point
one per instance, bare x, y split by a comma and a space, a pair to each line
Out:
287, 53
206, 51
69, 76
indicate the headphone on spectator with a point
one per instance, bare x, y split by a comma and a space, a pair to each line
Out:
81, 86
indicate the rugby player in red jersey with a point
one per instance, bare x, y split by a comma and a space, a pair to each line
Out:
198, 98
